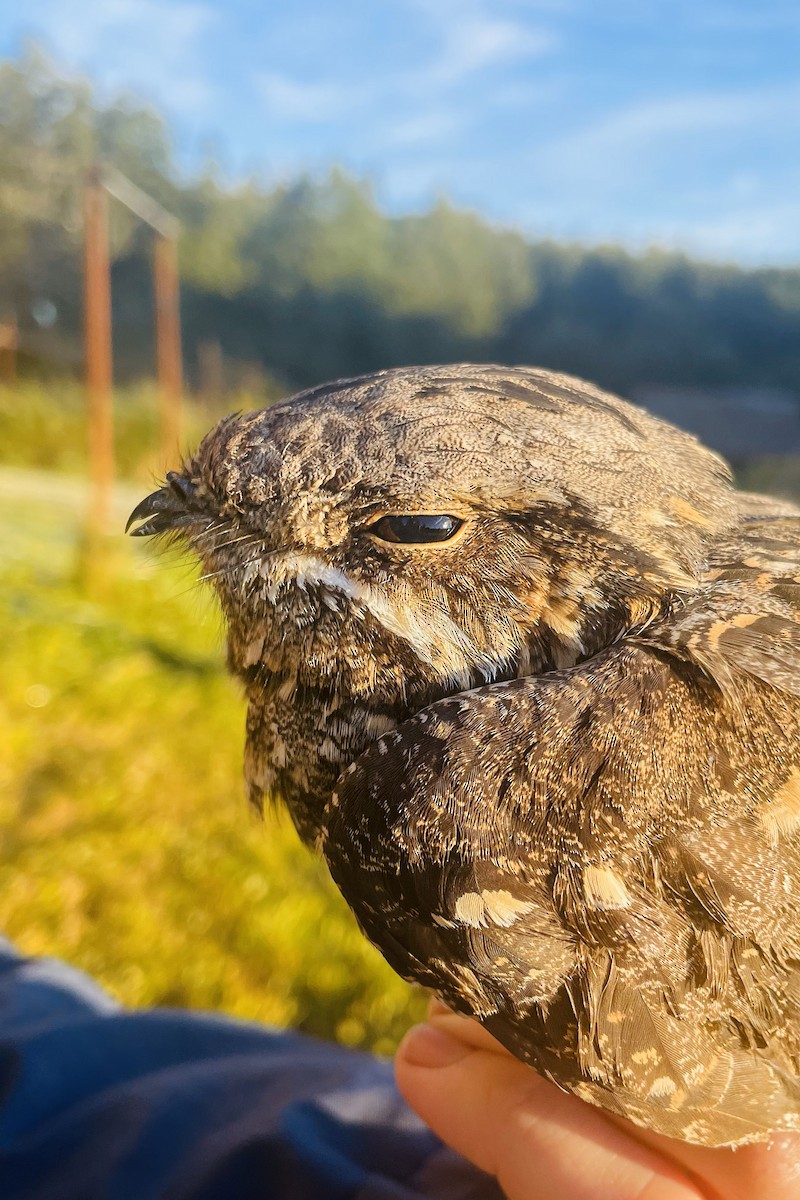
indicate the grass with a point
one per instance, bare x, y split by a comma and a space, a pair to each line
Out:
126, 845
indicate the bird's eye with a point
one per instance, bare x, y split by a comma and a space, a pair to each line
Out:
416, 527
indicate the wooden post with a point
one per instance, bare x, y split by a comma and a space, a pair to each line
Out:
99, 382
168, 344
9, 344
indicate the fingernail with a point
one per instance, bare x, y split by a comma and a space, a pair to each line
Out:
424, 1046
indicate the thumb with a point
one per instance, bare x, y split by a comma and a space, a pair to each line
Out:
535, 1139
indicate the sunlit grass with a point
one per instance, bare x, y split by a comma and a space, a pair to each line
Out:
126, 845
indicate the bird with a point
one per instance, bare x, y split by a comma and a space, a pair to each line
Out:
524, 665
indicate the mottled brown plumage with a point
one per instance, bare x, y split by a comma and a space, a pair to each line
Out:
552, 756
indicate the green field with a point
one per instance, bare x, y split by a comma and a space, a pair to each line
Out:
126, 845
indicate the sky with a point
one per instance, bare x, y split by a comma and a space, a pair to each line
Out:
672, 123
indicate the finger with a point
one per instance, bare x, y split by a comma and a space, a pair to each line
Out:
437, 1008
463, 1029
538, 1141
770, 1170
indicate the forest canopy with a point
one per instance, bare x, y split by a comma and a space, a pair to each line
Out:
308, 279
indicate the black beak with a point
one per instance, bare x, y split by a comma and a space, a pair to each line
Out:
162, 510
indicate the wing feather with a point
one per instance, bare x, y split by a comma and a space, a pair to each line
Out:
602, 863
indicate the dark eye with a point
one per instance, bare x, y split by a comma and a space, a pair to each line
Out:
416, 527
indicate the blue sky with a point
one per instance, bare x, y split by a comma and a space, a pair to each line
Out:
674, 123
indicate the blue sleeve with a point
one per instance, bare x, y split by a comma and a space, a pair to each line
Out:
100, 1103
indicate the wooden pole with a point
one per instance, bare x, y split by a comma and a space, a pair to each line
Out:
168, 344
9, 344
97, 317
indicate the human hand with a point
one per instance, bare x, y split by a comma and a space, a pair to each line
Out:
540, 1142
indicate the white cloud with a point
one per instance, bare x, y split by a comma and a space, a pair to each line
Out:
301, 100
472, 39
618, 147
152, 46
421, 128
419, 101
479, 42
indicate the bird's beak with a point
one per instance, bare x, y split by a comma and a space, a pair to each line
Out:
162, 510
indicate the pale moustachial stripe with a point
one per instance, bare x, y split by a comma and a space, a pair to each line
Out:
433, 636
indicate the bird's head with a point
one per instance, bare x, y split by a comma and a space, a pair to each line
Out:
384, 541
424, 530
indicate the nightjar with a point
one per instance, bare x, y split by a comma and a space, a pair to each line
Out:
526, 667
